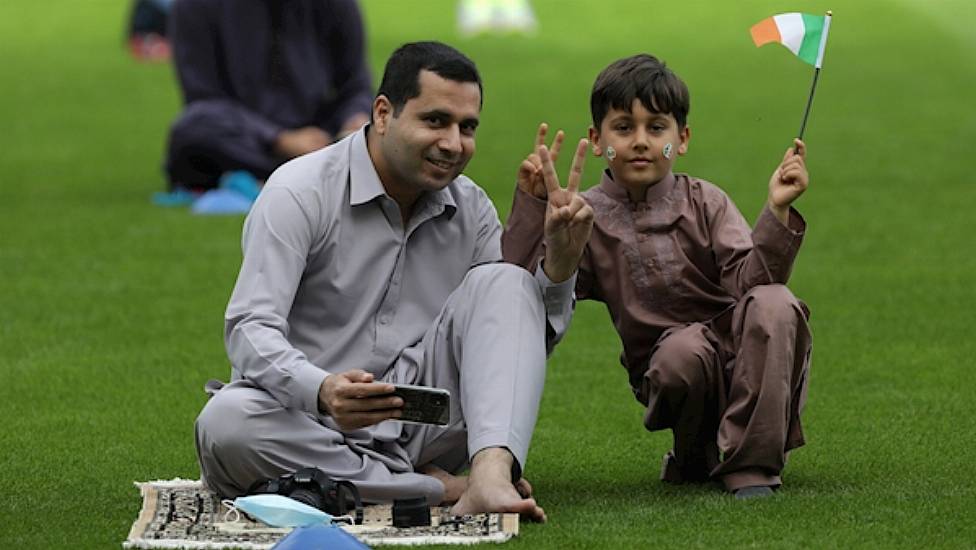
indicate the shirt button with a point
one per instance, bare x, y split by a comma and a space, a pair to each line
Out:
384, 319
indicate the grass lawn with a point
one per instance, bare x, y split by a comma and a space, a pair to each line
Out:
111, 307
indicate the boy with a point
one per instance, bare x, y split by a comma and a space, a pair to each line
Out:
715, 345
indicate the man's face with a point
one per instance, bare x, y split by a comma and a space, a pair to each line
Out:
640, 140
430, 142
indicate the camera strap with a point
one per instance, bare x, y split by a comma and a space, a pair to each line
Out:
353, 492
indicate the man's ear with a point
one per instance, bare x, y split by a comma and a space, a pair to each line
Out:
685, 135
382, 112
594, 135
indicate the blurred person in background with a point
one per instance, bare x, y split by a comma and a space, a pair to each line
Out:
263, 81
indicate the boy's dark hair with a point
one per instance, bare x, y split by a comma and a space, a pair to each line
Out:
401, 78
642, 77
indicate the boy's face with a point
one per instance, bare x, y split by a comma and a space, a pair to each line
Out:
639, 139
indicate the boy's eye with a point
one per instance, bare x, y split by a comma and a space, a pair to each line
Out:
622, 127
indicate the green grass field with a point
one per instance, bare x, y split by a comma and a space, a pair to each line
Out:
112, 308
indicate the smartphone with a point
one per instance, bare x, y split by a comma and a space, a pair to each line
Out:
424, 405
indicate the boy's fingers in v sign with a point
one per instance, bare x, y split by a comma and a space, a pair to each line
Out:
551, 179
530, 172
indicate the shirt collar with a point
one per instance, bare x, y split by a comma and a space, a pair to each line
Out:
365, 184
653, 192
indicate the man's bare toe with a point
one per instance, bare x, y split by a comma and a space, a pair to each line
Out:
524, 488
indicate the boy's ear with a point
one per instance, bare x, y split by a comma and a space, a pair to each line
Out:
594, 135
382, 111
685, 135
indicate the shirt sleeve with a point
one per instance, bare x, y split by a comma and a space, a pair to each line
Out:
749, 259
347, 43
522, 244
487, 247
560, 303
524, 231
194, 34
278, 234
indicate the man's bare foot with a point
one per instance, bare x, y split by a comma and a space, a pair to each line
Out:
454, 485
490, 488
524, 488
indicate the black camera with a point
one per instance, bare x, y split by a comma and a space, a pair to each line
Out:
313, 487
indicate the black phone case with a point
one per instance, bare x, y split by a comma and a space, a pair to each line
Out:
424, 405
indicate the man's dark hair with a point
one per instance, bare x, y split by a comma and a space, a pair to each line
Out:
642, 77
401, 78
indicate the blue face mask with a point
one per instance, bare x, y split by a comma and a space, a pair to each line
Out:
280, 511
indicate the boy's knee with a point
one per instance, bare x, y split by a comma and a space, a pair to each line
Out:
679, 362
775, 303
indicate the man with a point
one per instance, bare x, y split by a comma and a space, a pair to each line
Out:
263, 81
372, 262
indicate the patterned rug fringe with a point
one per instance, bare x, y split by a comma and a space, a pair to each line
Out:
182, 513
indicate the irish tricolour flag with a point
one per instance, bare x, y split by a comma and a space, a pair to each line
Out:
805, 35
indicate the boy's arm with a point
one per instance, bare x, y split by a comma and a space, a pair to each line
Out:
522, 242
522, 239
788, 182
766, 255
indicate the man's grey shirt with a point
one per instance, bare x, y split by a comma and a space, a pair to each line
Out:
332, 281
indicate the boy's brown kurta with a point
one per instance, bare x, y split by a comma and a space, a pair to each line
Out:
714, 344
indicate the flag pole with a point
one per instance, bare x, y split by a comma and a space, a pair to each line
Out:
816, 74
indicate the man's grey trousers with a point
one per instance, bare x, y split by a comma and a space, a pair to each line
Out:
487, 347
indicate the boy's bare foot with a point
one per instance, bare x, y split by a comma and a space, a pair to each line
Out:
454, 486
490, 488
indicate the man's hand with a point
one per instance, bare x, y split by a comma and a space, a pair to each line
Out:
568, 218
789, 181
530, 178
354, 401
295, 143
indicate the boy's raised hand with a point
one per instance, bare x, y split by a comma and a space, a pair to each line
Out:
530, 178
569, 218
789, 181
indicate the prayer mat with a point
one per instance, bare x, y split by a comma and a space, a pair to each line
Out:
182, 513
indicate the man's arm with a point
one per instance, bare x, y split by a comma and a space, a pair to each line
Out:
278, 234
277, 238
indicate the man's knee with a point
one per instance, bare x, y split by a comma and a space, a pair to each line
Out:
222, 424
498, 273
502, 279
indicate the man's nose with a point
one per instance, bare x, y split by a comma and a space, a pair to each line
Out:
451, 140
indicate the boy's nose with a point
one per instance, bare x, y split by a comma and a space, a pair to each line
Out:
641, 140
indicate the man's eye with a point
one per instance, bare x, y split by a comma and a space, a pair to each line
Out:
468, 129
434, 120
